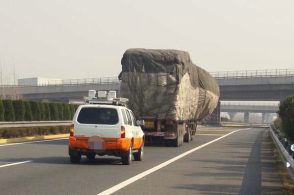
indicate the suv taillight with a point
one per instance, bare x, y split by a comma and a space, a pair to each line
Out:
122, 132
71, 130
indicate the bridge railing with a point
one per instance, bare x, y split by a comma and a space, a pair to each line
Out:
102, 80
71, 82
217, 75
253, 73
223, 103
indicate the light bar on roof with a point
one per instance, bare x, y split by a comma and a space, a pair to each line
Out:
122, 100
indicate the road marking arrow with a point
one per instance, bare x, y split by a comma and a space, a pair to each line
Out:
288, 165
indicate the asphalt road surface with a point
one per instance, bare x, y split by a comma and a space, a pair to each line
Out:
220, 160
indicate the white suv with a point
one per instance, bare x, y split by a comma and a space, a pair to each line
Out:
106, 129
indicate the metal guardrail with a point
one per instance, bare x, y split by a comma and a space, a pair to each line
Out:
33, 123
253, 73
284, 149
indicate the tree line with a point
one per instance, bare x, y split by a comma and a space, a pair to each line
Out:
286, 117
20, 110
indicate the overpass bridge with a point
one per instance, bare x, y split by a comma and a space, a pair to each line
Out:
72, 90
265, 108
251, 107
257, 85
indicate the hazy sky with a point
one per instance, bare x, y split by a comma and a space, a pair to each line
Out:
86, 39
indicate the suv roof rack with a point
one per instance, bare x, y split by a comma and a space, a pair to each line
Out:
109, 101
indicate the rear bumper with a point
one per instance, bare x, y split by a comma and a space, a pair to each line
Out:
165, 135
84, 151
116, 144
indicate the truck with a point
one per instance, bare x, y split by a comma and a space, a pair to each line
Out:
168, 92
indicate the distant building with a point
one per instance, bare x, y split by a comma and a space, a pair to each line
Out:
37, 81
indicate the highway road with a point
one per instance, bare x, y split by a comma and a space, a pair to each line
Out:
220, 160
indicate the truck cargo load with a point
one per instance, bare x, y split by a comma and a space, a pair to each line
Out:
164, 85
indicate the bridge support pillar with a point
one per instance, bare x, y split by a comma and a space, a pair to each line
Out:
267, 118
246, 117
232, 115
263, 117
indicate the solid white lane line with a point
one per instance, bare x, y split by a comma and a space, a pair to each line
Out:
19, 143
137, 177
18, 163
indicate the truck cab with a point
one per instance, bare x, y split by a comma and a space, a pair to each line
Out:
105, 126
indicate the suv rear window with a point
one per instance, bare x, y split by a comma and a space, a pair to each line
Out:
106, 116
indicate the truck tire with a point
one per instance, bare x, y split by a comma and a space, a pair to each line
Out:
193, 131
168, 143
182, 139
126, 157
140, 154
177, 141
187, 137
75, 159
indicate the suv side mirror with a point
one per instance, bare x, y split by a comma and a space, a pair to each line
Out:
140, 122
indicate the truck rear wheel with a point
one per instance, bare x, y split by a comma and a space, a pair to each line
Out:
177, 141
187, 137
194, 128
182, 140
168, 142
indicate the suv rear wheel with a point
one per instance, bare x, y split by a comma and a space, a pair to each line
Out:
140, 154
126, 157
91, 156
75, 159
